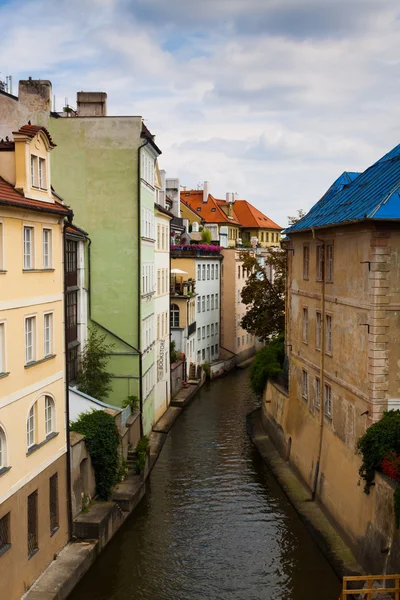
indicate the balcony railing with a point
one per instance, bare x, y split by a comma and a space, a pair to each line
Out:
183, 288
191, 329
178, 251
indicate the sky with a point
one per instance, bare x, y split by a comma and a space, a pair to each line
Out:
271, 99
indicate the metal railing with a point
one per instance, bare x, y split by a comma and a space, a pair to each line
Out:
191, 328
125, 414
369, 591
32, 523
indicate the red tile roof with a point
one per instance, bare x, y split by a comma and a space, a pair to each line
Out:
32, 130
9, 196
251, 217
211, 210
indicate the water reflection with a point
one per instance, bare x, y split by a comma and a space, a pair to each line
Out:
214, 525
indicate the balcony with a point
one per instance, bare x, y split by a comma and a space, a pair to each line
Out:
191, 329
183, 288
179, 251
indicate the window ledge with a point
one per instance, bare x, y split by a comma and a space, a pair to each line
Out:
53, 531
4, 470
35, 447
148, 295
4, 549
38, 362
328, 353
2, 272
33, 553
49, 270
4, 375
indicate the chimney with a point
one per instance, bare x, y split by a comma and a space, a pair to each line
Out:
35, 97
91, 104
206, 191
172, 190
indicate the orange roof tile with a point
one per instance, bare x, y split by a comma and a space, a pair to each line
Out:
9, 196
250, 216
32, 130
211, 210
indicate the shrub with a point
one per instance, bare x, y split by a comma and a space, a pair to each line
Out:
142, 449
174, 354
133, 402
206, 236
267, 364
102, 441
93, 377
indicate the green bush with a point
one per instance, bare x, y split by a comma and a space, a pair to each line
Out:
102, 441
133, 402
267, 364
174, 354
142, 449
206, 236
93, 377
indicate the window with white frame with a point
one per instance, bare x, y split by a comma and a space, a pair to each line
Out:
208, 271
2, 262
147, 278
216, 300
49, 414
328, 400
318, 329
164, 237
159, 236
199, 272
317, 392
305, 384
34, 171
208, 301
47, 249
208, 331
198, 304
329, 334
28, 247
30, 339
238, 296
174, 315
216, 271
2, 348
212, 271
147, 332
199, 333
305, 325
147, 223
3, 449
203, 331
203, 272
203, 304
212, 328
42, 174
48, 334
31, 427
212, 301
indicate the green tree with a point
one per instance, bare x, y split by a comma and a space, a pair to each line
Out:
265, 299
267, 363
300, 214
206, 236
93, 377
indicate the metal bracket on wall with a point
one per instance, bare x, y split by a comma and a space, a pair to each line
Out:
366, 262
365, 325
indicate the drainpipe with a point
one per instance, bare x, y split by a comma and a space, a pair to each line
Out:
139, 325
322, 369
67, 411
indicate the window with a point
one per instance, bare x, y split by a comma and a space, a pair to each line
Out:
198, 304
318, 324
208, 331
329, 263
198, 356
30, 339
238, 320
317, 392
31, 427
243, 270
216, 300
212, 271
32, 523
2, 267
2, 348
216, 348
158, 236
212, 301
48, 334
163, 243
212, 350
28, 248
328, 400
49, 414
203, 276
203, 303
267, 236
216, 328
199, 333
242, 340
238, 341
208, 271
305, 325
203, 330
212, 328
53, 503
42, 174
5, 536
305, 384
306, 261
3, 453
34, 170
262, 236
72, 317
72, 263
320, 263
216, 271
208, 301
238, 295
199, 272
174, 315
328, 333
238, 271
147, 332
158, 282
203, 354
72, 364
148, 278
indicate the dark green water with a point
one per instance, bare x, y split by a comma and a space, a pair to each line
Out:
214, 524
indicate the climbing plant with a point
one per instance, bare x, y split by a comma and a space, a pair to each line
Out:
268, 363
102, 441
380, 450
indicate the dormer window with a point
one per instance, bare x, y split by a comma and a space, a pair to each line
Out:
38, 172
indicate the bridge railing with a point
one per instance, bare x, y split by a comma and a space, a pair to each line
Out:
366, 586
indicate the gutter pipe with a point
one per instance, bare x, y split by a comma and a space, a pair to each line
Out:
67, 411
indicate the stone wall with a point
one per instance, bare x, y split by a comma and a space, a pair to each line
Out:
177, 376
82, 473
366, 522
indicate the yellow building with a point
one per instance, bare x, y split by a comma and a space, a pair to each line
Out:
33, 481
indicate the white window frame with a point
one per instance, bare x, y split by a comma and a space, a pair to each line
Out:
32, 357
317, 392
42, 179
48, 339
328, 340
328, 400
31, 426
216, 271
174, 312
216, 301
2, 247
47, 257
34, 171
318, 329
49, 412
29, 258
305, 325
198, 272
3, 448
3, 346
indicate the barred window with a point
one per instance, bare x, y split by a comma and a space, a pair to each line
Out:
5, 534
53, 503
32, 523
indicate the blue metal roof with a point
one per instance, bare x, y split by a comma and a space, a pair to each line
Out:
374, 194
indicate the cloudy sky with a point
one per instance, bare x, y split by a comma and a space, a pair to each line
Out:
271, 99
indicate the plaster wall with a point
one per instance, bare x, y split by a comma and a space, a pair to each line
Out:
207, 345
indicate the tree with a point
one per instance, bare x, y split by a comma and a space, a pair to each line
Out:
268, 363
265, 299
93, 377
206, 236
300, 214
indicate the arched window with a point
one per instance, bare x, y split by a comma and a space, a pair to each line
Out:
174, 315
31, 427
49, 414
3, 449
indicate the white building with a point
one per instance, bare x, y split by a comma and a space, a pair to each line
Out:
208, 302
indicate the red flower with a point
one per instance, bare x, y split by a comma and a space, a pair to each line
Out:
391, 466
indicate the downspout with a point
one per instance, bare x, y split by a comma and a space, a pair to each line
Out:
67, 411
322, 369
139, 220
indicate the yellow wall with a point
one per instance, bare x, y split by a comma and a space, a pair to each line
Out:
187, 213
261, 235
38, 146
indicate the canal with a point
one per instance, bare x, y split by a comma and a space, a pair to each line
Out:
215, 524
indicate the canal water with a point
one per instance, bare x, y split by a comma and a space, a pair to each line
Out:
215, 524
